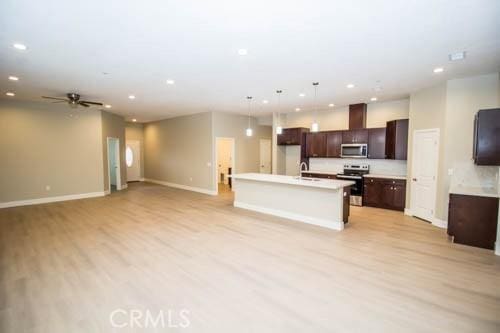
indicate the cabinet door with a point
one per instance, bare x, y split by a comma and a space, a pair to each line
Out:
357, 115
361, 136
316, 145
376, 143
399, 196
347, 136
390, 139
333, 142
486, 137
371, 192
387, 194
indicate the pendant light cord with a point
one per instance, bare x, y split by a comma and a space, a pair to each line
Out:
315, 84
279, 106
249, 98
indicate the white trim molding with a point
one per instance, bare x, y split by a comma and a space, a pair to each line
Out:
497, 248
434, 220
182, 187
439, 223
339, 226
51, 199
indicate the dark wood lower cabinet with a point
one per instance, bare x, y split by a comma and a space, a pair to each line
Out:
347, 204
384, 193
472, 220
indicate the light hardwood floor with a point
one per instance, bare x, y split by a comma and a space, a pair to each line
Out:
64, 267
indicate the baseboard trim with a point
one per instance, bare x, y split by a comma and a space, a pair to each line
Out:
141, 179
51, 199
124, 187
291, 216
434, 220
408, 212
439, 223
182, 187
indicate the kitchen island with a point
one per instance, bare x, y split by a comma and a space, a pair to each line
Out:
322, 202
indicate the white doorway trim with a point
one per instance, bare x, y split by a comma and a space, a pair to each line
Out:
432, 195
216, 159
117, 161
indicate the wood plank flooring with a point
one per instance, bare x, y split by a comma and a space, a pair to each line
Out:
65, 267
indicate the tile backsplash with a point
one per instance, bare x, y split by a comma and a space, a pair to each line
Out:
381, 167
470, 175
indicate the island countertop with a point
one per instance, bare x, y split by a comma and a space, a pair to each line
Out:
332, 184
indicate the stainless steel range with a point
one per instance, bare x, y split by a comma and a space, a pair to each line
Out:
355, 173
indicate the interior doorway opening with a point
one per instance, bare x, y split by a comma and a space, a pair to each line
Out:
114, 172
225, 151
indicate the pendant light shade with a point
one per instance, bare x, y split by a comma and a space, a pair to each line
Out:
315, 125
249, 131
279, 129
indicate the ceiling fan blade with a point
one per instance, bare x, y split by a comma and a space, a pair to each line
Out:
83, 104
93, 103
59, 102
59, 99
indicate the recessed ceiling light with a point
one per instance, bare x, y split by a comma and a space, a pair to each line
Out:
170, 81
297, 109
107, 106
134, 120
373, 99
9, 93
242, 52
457, 56
265, 101
350, 85
438, 69
302, 95
131, 96
331, 105
20, 46
13, 78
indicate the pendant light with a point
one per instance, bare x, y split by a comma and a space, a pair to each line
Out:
315, 125
279, 129
249, 131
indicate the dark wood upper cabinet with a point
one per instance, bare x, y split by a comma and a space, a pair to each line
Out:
396, 139
357, 116
355, 136
376, 143
487, 137
316, 144
333, 142
292, 136
472, 220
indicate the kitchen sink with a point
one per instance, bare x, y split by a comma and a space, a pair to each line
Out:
308, 179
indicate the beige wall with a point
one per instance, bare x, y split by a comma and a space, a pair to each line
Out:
247, 149
113, 126
135, 131
451, 107
179, 151
44, 144
338, 118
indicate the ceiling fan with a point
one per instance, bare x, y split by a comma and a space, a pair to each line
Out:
73, 100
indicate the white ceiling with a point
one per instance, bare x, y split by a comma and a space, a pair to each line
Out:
141, 44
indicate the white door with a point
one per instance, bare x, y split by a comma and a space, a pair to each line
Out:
424, 173
133, 160
265, 156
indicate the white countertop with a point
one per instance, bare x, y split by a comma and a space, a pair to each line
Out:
332, 184
477, 191
374, 175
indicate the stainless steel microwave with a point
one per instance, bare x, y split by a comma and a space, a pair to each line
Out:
354, 150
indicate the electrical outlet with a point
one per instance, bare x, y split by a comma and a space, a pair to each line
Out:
450, 172
209, 164
190, 179
47, 188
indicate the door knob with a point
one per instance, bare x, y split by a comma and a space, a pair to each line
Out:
414, 179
